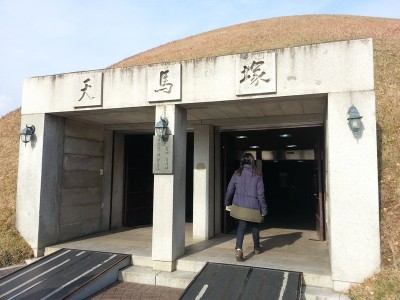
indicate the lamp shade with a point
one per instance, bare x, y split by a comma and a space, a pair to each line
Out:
27, 133
161, 128
354, 119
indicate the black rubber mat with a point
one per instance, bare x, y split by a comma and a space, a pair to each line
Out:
63, 274
220, 281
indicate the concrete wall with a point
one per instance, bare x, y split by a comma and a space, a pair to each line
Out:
352, 190
39, 181
310, 69
82, 183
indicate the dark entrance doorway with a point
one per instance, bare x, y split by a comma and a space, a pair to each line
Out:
291, 161
139, 180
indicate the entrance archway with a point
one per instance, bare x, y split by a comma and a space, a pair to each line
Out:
291, 161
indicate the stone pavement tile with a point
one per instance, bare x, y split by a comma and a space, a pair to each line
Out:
174, 295
111, 296
149, 296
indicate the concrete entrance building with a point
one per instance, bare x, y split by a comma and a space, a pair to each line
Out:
95, 163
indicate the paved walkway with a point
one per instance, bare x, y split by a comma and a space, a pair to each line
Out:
128, 290
286, 247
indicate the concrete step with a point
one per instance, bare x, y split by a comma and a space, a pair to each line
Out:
318, 280
318, 293
50, 250
146, 275
190, 265
142, 261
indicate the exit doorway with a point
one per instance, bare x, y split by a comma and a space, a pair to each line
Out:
291, 160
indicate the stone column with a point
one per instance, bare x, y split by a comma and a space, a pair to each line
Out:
107, 180
352, 190
217, 184
39, 181
203, 182
169, 195
118, 180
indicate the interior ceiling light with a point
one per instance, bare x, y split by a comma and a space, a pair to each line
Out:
291, 146
254, 147
285, 135
241, 136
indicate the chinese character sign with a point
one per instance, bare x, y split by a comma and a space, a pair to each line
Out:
88, 90
162, 155
256, 73
165, 86
164, 82
85, 91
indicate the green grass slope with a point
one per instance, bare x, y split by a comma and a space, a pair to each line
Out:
13, 248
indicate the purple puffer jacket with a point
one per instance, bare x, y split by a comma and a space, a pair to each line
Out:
246, 190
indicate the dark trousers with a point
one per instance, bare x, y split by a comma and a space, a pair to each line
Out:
254, 230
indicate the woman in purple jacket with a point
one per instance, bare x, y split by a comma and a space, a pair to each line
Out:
246, 201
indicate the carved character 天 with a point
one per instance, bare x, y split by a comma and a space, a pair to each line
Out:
84, 90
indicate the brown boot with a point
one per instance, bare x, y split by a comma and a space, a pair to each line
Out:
239, 255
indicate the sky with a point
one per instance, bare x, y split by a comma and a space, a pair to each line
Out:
45, 37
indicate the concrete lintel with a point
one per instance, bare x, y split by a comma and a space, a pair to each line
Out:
136, 127
299, 70
270, 121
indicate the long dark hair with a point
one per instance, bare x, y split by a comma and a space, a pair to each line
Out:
247, 159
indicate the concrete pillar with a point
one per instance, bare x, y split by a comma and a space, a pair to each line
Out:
169, 195
203, 182
39, 181
107, 180
117, 201
217, 184
352, 190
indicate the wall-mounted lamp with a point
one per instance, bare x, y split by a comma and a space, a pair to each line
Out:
161, 128
27, 133
354, 120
